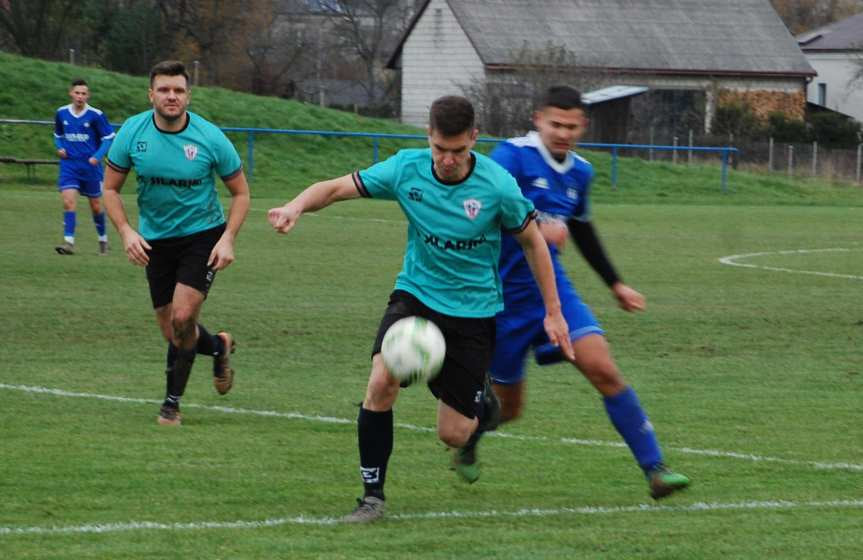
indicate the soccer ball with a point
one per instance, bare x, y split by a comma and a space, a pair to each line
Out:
413, 349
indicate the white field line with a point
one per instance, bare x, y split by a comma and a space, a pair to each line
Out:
432, 515
731, 260
412, 427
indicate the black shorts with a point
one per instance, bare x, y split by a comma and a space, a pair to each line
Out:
181, 260
469, 349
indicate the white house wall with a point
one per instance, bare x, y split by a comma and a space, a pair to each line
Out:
437, 58
837, 70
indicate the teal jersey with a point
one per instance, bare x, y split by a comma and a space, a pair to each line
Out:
454, 229
176, 192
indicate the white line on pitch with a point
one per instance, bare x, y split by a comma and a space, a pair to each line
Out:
413, 427
488, 514
731, 260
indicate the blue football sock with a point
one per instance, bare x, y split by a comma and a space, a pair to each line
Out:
69, 223
99, 220
632, 424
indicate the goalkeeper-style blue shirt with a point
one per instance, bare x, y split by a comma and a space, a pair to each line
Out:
558, 189
454, 229
83, 136
176, 192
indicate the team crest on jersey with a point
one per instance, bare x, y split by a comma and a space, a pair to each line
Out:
191, 151
472, 207
572, 193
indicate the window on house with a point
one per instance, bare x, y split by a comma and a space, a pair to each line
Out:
822, 94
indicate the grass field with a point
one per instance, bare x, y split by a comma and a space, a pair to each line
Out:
752, 376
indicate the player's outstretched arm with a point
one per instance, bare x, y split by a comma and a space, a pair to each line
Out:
320, 195
539, 259
222, 254
135, 246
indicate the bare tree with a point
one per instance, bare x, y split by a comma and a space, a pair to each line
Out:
37, 27
804, 15
505, 100
368, 29
276, 46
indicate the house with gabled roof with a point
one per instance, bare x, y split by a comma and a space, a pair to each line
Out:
731, 50
835, 51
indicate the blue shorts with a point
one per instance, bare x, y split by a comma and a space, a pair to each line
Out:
86, 180
520, 328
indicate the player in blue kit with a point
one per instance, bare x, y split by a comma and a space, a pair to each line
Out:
183, 238
82, 136
457, 203
557, 180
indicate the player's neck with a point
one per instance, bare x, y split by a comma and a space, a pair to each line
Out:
78, 111
171, 125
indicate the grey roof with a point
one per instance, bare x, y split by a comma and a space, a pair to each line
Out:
666, 36
611, 93
843, 35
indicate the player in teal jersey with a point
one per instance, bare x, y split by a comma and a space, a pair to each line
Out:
182, 238
456, 202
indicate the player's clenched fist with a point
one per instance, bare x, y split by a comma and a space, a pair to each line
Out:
283, 218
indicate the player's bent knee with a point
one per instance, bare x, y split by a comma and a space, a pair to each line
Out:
455, 436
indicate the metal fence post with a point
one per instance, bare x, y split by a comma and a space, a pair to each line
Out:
790, 160
859, 160
71, 56
614, 168
250, 154
674, 151
689, 155
814, 158
724, 173
650, 151
375, 143
770, 155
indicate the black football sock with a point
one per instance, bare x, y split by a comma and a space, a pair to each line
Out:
209, 344
375, 436
179, 375
171, 356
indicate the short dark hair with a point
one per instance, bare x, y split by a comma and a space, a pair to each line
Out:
169, 68
562, 97
78, 82
451, 115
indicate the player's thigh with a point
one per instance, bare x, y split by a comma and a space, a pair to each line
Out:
193, 269
162, 271
516, 331
469, 350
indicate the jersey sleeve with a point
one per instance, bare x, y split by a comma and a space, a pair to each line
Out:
379, 180
106, 136
119, 157
58, 131
582, 208
228, 163
506, 155
516, 210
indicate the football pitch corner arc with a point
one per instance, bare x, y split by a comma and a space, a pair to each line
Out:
698, 507
733, 260
818, 465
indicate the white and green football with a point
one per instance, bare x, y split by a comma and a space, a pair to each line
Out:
413, 349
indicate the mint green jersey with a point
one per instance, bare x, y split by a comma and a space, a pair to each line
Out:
454, 229
176, 192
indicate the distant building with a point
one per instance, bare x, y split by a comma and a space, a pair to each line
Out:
729, 50
836, 53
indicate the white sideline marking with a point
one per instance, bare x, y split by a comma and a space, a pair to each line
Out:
415, 428
731, 261
526, 512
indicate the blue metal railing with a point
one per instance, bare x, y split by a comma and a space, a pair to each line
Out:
251, 133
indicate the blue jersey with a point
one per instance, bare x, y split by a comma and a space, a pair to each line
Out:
557, 189
454, 229
83, 136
